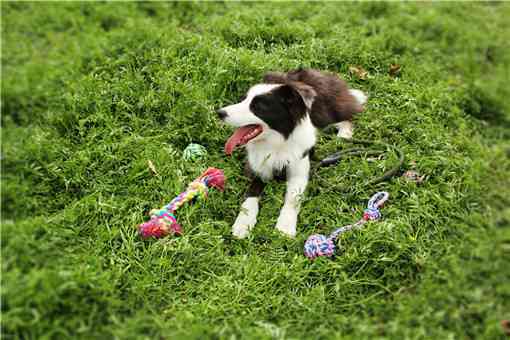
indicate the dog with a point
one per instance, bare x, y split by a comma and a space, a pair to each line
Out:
277, 122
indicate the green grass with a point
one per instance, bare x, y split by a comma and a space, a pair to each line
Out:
92, 91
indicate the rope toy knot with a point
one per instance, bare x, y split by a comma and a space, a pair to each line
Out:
319, 245
371, 214
161, 224
194, 152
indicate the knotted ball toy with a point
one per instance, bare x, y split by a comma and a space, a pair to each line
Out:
163, 221
194, 152
320, 245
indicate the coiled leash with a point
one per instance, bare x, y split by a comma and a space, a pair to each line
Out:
336, 157
319, 245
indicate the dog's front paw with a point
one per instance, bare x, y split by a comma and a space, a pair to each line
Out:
243, 225
286, 223
287, 230
247, 218
240, 231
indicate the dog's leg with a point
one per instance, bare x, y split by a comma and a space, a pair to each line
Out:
360, 96
297, 179
247, 217
345, 127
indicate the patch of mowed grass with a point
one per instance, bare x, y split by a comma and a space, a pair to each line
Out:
91, 92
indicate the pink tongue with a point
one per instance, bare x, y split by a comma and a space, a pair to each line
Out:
238, 138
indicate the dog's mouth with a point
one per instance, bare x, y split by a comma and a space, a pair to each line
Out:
242, 136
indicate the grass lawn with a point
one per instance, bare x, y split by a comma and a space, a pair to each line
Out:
92, 91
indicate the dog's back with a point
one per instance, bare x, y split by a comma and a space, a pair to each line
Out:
334, 102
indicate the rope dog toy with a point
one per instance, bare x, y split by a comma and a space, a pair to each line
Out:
194, 152
319, 245
163, 221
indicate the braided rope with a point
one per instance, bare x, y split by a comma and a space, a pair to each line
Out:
163, 222
196, 188
319, 245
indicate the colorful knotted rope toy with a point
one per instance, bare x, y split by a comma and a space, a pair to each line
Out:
163, 221
320, 245
194, 152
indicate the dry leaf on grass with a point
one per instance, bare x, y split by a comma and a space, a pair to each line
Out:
505, 324
152, 168
359, 71
395, 70
414, 176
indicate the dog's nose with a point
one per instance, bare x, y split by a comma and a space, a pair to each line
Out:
221, 113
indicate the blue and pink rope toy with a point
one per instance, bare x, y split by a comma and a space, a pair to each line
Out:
319, 245
163, 221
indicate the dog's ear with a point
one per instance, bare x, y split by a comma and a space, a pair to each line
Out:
306, 92
275, 78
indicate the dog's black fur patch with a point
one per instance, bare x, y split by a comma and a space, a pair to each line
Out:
333, 102
281, 109
310, 153
256, 185
256, 188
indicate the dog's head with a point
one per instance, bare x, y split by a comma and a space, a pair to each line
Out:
267, 109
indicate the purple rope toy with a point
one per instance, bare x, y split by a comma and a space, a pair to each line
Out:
319, 245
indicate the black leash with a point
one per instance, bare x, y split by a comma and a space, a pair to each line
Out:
336, 157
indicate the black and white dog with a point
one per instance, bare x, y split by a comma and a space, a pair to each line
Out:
277, 121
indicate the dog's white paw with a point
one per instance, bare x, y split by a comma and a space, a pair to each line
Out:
360, 96
241, 231
247, 218
287, 231
344, 129
286, 223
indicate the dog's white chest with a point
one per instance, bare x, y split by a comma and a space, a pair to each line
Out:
273, 154
265, 162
